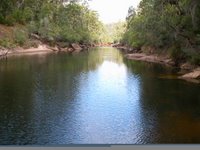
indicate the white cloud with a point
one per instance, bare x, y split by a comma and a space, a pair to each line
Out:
112, 10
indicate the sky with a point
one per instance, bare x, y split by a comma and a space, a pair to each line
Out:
111, 11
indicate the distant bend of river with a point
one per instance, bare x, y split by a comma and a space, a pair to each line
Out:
95, 97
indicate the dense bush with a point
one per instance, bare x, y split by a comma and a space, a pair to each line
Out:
7, 43
20, 36
56, 20
165, 24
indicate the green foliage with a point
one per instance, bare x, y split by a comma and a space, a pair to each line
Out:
161, 24
176, 53
20, 36
6, 7
57, 20
6, 43
115, 31
195, 59
105, 37
193, 56
33, 27
71, 23
22, 16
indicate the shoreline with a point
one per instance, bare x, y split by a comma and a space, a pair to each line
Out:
42, 49
191, 72
151, 58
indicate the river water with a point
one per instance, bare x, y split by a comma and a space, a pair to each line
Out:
95, 97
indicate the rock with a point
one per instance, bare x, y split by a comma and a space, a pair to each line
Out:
2, 48
3, 52
84, 46
53, 48
76, 47
150, 58
76, 51
136, 55
63, 44
35, 36
64, 49
187, 66
197, 69
70, 50
170, 62
192, 75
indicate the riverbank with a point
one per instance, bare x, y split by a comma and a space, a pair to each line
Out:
151, 58
43, 48
188, 72
16, 40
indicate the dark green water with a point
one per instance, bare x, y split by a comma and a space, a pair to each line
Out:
95, 97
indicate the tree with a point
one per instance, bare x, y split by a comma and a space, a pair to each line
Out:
170, 25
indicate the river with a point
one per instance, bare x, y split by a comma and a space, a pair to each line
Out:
95, 97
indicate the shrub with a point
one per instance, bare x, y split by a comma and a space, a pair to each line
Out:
20, 36
33, 27
9, 20
18, 16
176, 53
2, 19
195, 59
31, 43
7, 43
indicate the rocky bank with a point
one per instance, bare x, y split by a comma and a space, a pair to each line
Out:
190, 72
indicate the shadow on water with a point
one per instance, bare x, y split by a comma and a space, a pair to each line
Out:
95, 97
169, 106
